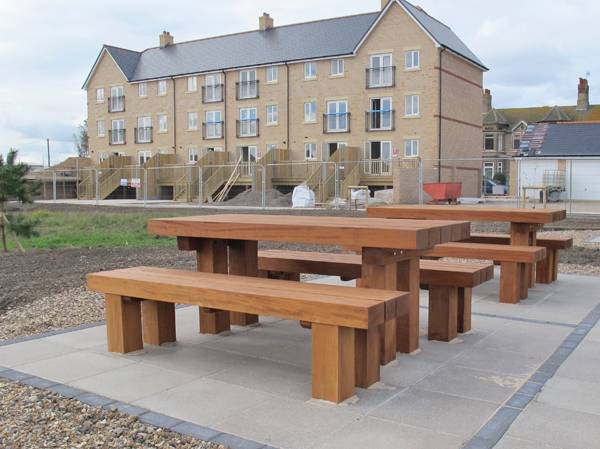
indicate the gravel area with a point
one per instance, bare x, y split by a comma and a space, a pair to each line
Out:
32, 419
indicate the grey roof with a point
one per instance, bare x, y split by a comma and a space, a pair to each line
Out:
569, 139
556, 114
495, 117
310, 40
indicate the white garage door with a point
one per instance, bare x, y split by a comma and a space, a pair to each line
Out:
532, 171
586, 180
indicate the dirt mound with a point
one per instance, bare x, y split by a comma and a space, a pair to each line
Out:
251, 197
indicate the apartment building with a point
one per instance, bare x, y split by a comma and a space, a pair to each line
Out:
391, 84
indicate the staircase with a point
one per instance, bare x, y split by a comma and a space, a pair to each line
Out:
187, 186
109, 178
322, 179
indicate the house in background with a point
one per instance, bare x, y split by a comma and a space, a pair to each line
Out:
503, 129
387, 85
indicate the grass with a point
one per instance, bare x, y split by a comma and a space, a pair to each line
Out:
93, 229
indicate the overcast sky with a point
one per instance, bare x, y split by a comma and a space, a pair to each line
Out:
535, 50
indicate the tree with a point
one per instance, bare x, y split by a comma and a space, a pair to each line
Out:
81, 139
13, 185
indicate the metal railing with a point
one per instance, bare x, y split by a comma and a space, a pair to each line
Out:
116, 136
212, 93
143, 134
212, 130
116, 104
380, 120
380, 77
336, 123
246, 89
247, 128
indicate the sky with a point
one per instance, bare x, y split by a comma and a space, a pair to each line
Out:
535, 50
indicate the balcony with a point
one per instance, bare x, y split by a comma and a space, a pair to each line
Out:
116, 136
143, 135
246, 89
336, 123
379, 120
212, 93
116, 104
381, 77
247, 128
212, 130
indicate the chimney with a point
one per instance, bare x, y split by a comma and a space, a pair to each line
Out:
265, 22
165, 39
487, 101
583, 95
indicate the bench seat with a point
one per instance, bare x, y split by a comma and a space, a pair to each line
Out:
450, 284
547, 268
140, 307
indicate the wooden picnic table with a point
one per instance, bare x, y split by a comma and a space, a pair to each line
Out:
524, 223
391, 249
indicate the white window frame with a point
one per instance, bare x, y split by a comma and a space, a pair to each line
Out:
272, 73
212, 84
102, 156
336, 117
310, 151
215, 119
143, 90
161, 88
120, 124
500, 167
193, 154
248, 122
412, 60
381, 75
412, 105
143, 156
272, 114
272, 146
336, 67
192, 120
117, 99
144, 122
488, 166
310, 70
101, 128
385, 113
100, 95
310, 111
248, 86
487, 137
192, 84
163, 126
411, 147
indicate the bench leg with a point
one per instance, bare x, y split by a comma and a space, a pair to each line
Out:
243, 261
554, 265
367, 354
443, 312
513, 282
465, 296
544, 268
332, 362
158, 321
213, 321
408, 324
123, 324
389, 340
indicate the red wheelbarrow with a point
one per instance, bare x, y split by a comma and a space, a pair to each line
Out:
443, 192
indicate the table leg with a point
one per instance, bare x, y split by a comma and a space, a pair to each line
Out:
524, 234
408, 323
243, 261
211, 257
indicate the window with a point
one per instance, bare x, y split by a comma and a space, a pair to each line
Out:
272, 114
162, 123
310, 70
411, 105
212, 88
488, 170
117, 133
214, 125
100, 95
337, 116
117, 99
162, 87
192, 83
310, 151
144, 130
379, 157
271, 147
247, 84
272, 74
381, 71
310, 111
380, 115
102, 156
499, 167
488, 142
337, 67
516, 142
143, 89
164, 151
249, 153
248, 124
101, 128
193, 154
192, 118
411, 59
144, 156
411, 147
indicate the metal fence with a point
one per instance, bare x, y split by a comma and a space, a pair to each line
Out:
570, 183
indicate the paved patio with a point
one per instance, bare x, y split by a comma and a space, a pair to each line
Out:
255, 383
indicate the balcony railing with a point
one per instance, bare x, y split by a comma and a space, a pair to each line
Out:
116, 136
247, 128
377, 167
336, 123
212, 93
212, 130
116, 104
379, 120
143, 135
246, 89
381, 77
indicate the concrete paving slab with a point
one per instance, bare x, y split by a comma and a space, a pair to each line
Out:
83, 339
203, 401
516, 443
30, 351
250, 343
570, 394
494, 360
438, 412
408, 369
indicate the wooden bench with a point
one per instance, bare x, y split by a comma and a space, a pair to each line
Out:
450, 284
140, 307
513, 263
546, 269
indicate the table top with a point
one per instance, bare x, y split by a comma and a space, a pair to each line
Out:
343, 231
472, 213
